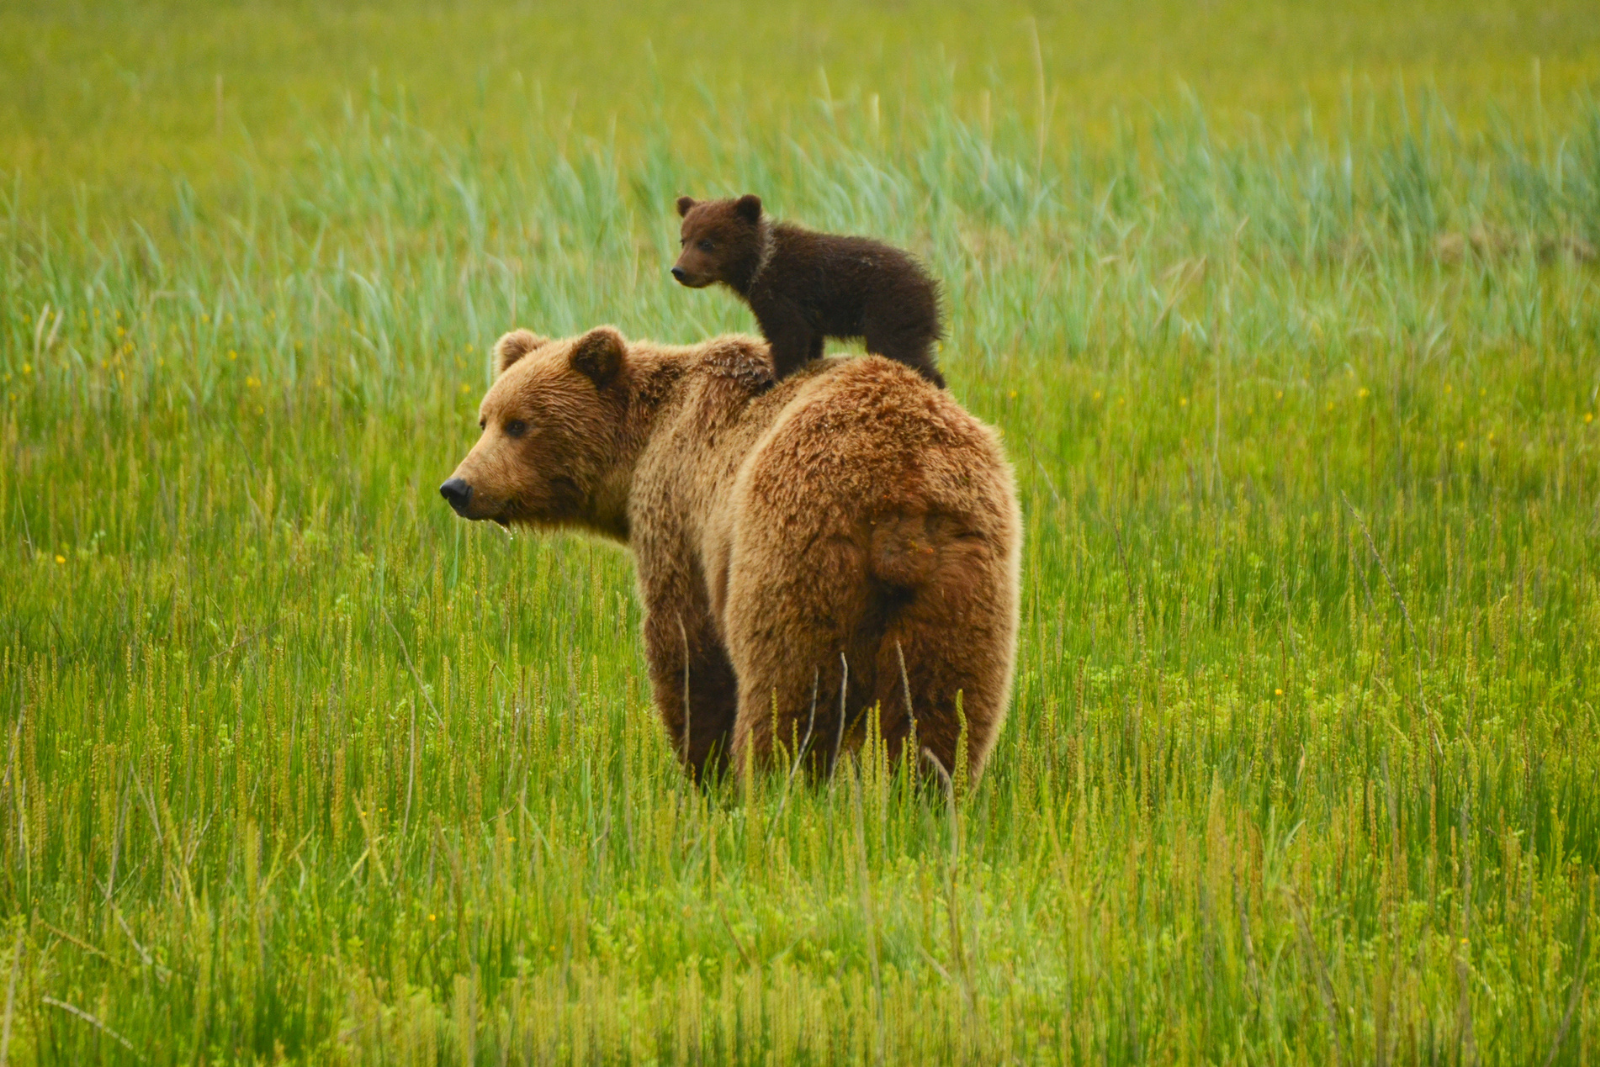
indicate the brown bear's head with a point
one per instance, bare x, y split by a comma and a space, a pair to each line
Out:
723, 241
552, 425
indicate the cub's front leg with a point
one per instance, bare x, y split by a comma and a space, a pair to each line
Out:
792, 340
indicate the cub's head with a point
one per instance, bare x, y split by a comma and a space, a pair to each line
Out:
552, 430
722, 241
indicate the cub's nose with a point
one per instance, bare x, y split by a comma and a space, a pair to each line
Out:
456, 493
679, 273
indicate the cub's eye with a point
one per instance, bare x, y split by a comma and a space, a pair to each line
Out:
483, 424
682, 241
705, 246
516, 428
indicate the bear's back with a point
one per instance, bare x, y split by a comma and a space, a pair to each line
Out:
872, 431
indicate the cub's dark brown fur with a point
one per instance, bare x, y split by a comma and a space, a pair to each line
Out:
805, 287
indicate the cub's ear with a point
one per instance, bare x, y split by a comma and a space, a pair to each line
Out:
512, 347
749, 207
684, 204
598, 354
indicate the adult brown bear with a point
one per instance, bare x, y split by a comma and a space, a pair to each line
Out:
806, 551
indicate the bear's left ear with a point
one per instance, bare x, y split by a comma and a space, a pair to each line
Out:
684, 204
598, 354
512, 347
749, 207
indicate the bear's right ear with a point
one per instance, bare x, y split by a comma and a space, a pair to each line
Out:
749, 207
512, 347
598, 354
684, 204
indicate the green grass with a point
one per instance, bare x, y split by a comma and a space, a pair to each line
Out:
1291, 320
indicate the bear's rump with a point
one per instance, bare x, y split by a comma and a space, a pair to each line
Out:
903, 612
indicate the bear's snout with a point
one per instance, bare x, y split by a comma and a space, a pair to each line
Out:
680, 274
458, 494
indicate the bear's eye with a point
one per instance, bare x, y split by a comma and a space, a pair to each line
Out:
483, 424
516, 428
705, 246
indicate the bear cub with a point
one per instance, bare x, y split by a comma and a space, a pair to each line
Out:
804, 287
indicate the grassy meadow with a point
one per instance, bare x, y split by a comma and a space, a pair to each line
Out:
1290, 317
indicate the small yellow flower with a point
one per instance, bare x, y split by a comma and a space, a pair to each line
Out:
1447, 389
232, 354
121, 332
205, 318
61, 559
1279, 692
1183, 401
432, 918
1097, 394
27, 368
252, 382
1280, 394
1588, 416
1362, 392
1013, 394
465, 387
1461, 446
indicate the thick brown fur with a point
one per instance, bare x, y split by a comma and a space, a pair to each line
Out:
843, 540
805, 287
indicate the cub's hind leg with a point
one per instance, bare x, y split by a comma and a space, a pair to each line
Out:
905, 342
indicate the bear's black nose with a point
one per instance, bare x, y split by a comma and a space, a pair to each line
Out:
679, 273
456, 492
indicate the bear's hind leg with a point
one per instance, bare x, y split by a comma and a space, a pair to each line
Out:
944, 661
792, 637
